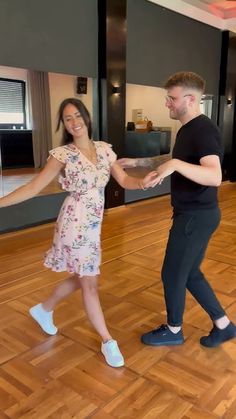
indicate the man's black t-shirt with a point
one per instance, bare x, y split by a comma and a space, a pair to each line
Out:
196, 139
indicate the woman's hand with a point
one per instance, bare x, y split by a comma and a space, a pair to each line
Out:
150, 180
156, 177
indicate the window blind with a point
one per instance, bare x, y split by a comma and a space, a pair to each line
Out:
12, 101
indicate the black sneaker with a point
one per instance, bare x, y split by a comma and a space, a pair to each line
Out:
162, 336
218, 336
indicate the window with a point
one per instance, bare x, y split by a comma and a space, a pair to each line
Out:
12, 104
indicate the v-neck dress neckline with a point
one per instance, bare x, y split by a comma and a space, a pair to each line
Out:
73, 147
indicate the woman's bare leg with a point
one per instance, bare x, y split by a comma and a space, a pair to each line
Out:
109, 347
63, 290
89, 288
42, 313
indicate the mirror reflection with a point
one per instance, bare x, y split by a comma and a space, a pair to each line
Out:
28, 113
150, 133
149, 129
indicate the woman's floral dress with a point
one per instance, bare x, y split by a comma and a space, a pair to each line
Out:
76, 243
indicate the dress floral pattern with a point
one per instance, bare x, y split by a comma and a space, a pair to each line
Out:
76, 242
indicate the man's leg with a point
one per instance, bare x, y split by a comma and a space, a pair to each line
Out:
201, 290
186, 247
181, 252
199, 287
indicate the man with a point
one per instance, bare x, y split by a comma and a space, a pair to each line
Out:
195, 170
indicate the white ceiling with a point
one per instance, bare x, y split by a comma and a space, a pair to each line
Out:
223, 9
217, 13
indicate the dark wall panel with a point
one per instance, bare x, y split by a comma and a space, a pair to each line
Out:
112, 73
38, 210
49, 35
161, 42
227, 111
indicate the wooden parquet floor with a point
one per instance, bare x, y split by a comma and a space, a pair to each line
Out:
65, 376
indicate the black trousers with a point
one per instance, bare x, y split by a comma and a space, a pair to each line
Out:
188, 240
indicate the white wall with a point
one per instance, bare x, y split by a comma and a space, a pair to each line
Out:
13, 73
152, 101
63, 86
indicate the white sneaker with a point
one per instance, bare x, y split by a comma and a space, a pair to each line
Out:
112, 354
43, 318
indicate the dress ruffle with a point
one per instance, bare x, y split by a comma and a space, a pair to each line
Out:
56, 260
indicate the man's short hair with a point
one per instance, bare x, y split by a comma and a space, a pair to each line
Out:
186, 79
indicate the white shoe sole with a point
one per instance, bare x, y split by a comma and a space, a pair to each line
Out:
118, 365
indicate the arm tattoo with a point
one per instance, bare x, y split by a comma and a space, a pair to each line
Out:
145, 162
152, 162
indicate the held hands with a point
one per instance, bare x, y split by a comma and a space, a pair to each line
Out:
165, 169
150, 180
156, 177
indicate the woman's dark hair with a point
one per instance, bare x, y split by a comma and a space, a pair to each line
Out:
66, 136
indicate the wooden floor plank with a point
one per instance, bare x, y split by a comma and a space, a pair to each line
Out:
65, 376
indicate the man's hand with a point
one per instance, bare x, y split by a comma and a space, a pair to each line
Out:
150, 180
165, 169
127, 163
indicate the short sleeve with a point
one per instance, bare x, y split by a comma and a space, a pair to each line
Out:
59, 153
111, 155
209, 143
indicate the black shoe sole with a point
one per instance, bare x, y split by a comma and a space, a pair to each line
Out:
217, 343
169, 343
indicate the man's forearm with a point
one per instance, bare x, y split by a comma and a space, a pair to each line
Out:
204, 175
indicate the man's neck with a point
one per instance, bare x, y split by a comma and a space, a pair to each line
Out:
188, 117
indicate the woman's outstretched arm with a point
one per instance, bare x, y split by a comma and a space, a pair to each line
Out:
31, 189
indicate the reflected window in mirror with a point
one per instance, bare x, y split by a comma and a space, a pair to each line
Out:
12, 104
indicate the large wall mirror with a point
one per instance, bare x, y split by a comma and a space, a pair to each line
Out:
149, 132
146, 113
28, 132
26, 139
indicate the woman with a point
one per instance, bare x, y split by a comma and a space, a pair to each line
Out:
84, 168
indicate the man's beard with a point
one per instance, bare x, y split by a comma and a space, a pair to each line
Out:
178, 114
